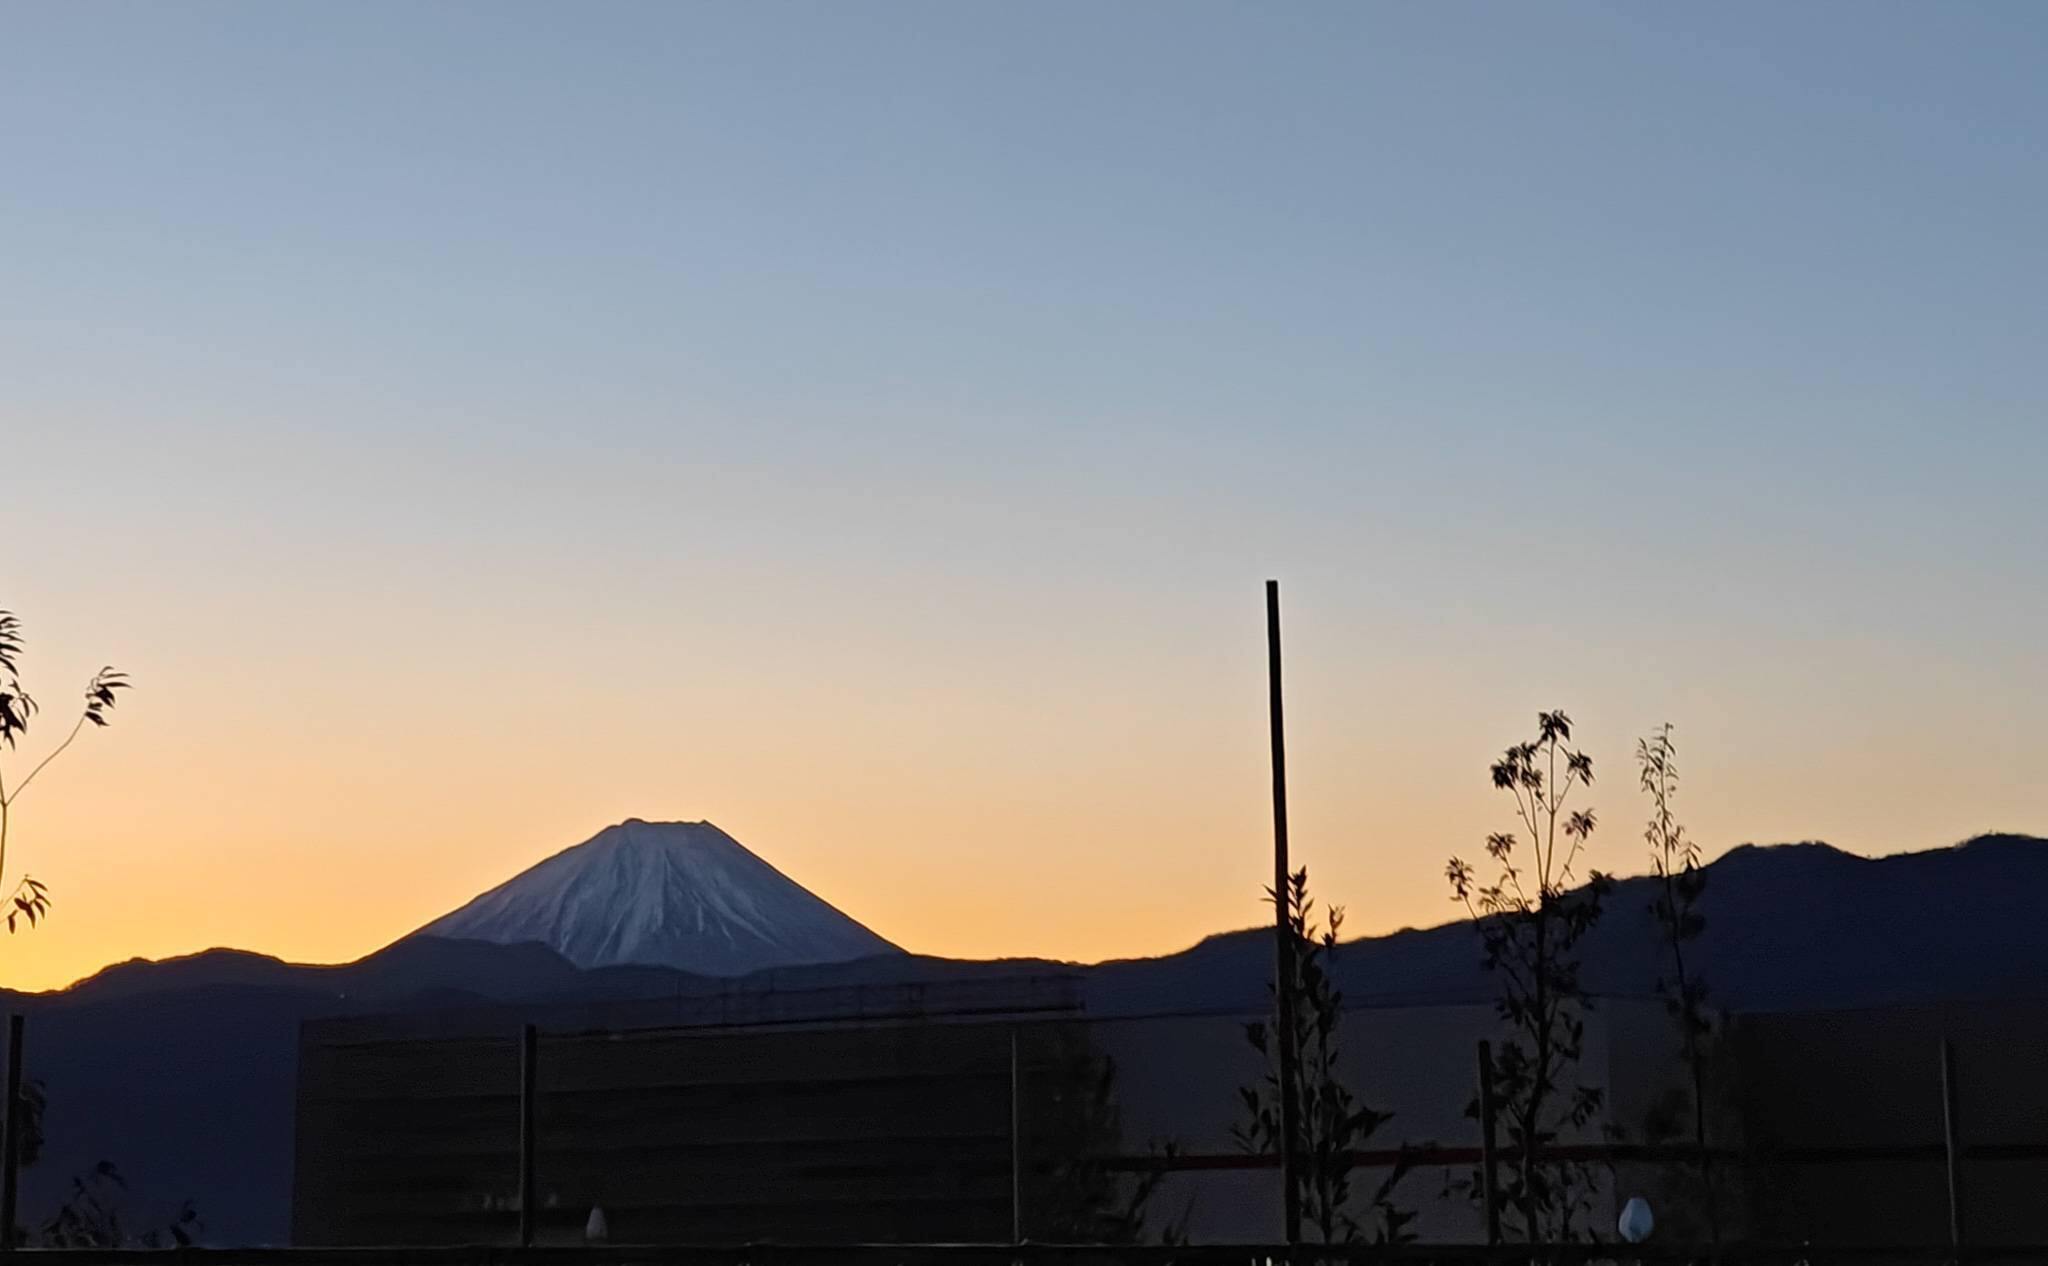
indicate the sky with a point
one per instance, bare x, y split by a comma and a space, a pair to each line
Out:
869, 427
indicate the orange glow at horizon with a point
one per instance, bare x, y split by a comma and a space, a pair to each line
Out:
259, 805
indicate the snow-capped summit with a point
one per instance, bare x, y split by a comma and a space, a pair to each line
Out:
675, 894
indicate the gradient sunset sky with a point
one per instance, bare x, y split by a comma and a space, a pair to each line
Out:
868, 426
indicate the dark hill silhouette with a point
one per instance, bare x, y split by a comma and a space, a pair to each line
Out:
524, 971
183, 1071
1790, 926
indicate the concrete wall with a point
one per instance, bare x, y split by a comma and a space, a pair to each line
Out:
830, 1135
1816, 1084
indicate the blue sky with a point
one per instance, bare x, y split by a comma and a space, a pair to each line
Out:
1680, 361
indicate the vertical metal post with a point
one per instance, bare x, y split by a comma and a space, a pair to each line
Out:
1283, 936
1950, 1131
10, 1136
1016, 1141
529, 1066
1488, 1181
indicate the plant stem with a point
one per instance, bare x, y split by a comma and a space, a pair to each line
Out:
54, 754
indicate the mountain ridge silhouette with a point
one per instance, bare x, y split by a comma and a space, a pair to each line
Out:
183, 1071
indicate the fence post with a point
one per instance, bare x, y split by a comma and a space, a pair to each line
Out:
529, 1053
10, 1135
1950, 1131
1016, 1141
1487, 1181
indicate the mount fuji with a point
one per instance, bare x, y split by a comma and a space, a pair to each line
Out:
670, 894
1789, 928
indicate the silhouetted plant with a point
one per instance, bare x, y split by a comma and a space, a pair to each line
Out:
1530, 922
1675, 861
33, 1106
1334, 1124
91, 1217
1079, 1194
29, 899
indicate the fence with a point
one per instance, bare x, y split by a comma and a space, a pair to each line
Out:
729, 1110
1947, 1161
1056, 1255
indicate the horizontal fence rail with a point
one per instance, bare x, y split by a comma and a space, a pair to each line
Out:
1595, 1153
1031, 1254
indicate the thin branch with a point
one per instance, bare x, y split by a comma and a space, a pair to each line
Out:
1515, 877
47, 759
1565, 876
1556, 794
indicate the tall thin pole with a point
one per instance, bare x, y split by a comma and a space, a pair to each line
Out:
529, 1068
1283, 936
1950, 1132
1016, 1141
1489, 1186
10, 1135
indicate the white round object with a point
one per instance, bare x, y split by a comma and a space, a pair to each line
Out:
1636, 1221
